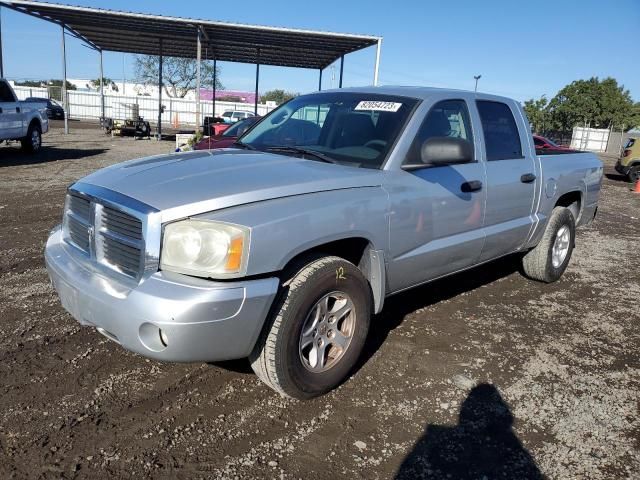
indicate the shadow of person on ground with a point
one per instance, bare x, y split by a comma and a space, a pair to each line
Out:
12, 156
482, 445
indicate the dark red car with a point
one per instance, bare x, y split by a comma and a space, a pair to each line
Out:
546, 144
228, 137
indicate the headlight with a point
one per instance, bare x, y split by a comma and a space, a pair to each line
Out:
205, 248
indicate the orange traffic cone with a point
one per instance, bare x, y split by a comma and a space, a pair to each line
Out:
637, 188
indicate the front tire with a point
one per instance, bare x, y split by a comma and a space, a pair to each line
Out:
550, 258
317, 329
634, 174
33, 141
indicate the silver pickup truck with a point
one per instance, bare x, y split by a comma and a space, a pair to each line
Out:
282, 248
23, 121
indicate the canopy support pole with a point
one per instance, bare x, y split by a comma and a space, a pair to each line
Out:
377, 67
159, 127
255, 105
320, 81
198, 72
1, 62
101, 87
341, 71
65, 105
215, 81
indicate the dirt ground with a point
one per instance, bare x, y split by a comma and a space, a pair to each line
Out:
482, 370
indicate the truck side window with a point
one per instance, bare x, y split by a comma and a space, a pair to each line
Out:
449, 118
501, 136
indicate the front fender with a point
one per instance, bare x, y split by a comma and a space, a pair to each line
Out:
285, 227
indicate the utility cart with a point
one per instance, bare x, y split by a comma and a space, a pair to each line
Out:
126, 122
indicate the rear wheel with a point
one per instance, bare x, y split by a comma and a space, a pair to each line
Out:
33, 141
317, 329
549, 259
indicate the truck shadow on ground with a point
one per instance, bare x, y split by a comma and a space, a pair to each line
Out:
482, 445
616, 177
397, 307
13, 156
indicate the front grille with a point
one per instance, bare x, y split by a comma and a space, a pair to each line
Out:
78, 221
121, 223
78, 233
119, 240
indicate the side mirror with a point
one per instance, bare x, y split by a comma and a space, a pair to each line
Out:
446, 151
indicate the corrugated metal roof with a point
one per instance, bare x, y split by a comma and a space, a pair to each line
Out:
118, 31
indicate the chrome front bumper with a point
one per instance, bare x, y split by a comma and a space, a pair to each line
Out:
200, 320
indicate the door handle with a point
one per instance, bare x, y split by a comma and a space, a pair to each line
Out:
17, 109
528, 178
0, 110
472, 186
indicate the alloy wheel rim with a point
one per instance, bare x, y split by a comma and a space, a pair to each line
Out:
327, 332
560, 247
35, 139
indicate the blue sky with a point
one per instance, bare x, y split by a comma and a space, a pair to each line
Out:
523, 49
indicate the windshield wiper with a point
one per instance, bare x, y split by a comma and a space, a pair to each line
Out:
303, 151
245, 146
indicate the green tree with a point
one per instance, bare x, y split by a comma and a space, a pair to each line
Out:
278, 95
58, 83
31, 83
600, 104
538, 114
106, 82
178, 74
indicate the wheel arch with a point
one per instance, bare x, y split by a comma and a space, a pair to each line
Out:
573, 200
358, 250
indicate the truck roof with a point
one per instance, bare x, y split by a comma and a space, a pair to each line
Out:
417, 92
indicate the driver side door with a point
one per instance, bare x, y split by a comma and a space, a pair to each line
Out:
437, 216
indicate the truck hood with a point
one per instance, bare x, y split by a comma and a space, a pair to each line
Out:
184, 184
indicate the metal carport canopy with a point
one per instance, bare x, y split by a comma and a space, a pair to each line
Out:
117, 31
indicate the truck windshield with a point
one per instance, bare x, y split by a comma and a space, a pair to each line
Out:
356, 129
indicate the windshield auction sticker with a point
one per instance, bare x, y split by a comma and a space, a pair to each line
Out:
373, 105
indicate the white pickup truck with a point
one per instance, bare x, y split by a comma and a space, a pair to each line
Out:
24, 121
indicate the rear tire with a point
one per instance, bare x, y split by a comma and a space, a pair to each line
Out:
549, 259
33, 141
317, 329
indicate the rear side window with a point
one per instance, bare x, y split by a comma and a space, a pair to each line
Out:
501, 136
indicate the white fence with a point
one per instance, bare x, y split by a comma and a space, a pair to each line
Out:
593, 139
86, 105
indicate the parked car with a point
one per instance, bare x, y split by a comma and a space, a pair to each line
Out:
214, 125
232, 116
54, 109
228, 137
23, 121
629, 163
281, 250
544, 143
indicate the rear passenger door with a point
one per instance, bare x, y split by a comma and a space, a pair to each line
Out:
511, 179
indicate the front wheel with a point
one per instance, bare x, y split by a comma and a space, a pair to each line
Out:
33, 141
317, 329
634, 174
549, 259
